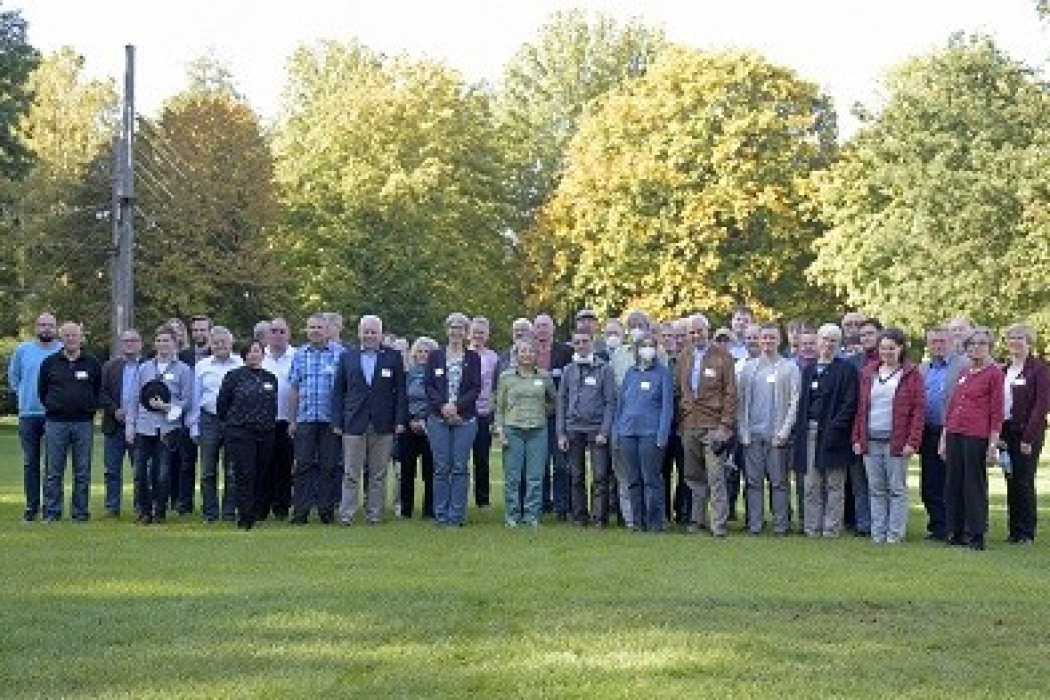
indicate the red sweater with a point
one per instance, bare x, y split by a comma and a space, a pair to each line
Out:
976, 408
909, 409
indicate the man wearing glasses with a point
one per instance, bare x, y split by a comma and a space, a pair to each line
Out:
119, 388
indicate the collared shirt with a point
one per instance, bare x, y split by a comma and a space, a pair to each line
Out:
698, 367
129, 382
368, 364
738, 349
280, 367
208, 374
522, 399
936, 382
313, 373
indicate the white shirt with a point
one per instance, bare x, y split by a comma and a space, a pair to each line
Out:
208, 374
1013, 373
280, 367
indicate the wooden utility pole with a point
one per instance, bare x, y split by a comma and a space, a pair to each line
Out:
122, 263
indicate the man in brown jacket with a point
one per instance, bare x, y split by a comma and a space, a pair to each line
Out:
707, 402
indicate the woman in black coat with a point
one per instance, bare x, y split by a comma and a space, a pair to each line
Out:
822, 448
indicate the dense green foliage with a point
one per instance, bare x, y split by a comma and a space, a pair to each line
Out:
940, 204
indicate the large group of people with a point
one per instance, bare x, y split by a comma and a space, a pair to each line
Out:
632, 423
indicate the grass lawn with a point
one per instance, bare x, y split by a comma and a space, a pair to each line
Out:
409, 610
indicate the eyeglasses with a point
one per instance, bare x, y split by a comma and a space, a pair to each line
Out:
971, 343
282, 331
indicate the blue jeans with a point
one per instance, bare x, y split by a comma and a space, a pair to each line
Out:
152, 473
212, 440
525, 456
888, 485
62, 438
643, 461
31, 435
114, 447
450, 445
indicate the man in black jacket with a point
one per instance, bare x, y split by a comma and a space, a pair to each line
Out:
119, 384
369, 406
69, 387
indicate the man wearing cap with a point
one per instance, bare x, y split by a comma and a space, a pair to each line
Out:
153, 415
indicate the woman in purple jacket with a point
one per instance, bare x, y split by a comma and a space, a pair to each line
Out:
1027, 398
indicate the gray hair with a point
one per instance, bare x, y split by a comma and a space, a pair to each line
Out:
261, 329
221, 332
457, 319
829, 331
635, 317
523, 344
369, 319
1022, 329
422, 342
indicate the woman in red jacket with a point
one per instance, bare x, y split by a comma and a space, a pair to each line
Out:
887, 432
1027, 394
969, 442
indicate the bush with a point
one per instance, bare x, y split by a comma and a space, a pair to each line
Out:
8, 401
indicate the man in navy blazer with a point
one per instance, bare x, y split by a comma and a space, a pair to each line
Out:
369, 406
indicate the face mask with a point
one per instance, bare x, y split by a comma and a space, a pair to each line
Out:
637, 334
612, 341
581, 359
45, 337
647, 353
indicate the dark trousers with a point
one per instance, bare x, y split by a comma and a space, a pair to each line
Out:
31, 435
213, 452
312, 476
576, 458
249, 451
152, 472
1020, 484
966, 487
643, 460
931, 481
415, 452
481, 457
677, 498
555, 475
182, 470
274, 483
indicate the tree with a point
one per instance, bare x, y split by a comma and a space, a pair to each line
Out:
394, 190
939, 204
61, 245
685, 190
208, 209
18, 59
547, 84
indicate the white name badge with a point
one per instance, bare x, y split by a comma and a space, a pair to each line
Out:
1019, 381
771, 379
537, 382
386, 373
80, 374
815, 385
590, 381
708, 372
329, 369
268, 386
439, 372
169, 376
962, 380
645, 386
556, 372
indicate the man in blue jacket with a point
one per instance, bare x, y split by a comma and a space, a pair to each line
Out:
369, 406
22, 373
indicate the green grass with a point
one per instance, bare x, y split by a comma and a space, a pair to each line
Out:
410, 610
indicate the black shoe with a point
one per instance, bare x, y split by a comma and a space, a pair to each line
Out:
935, 537
562, 517
297, 520
29, 517
956, 541
977, 544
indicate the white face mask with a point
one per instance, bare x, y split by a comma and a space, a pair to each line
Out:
647, 353
582, 359
637, 334
613, 341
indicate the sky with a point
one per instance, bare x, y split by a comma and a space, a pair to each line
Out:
844, 46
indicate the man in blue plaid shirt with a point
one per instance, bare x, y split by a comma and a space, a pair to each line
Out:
310, 424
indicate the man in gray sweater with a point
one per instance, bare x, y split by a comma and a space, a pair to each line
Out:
583, 420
